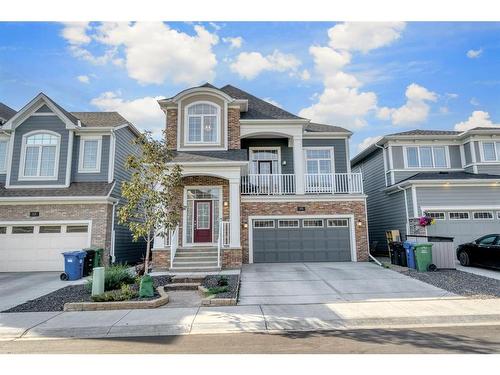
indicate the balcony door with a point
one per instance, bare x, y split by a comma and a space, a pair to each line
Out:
264, 169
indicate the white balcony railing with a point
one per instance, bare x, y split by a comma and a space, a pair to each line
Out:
268, 184
224, 238
284, 184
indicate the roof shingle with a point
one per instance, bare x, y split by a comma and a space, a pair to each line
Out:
76, 189
204, 156
100, 119
6, 112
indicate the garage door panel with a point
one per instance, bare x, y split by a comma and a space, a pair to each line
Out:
320, 244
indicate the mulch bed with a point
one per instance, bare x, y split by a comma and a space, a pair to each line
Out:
462, 283
73, 293
211, 281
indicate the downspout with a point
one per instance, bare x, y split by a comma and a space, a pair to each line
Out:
112, 250
406, 209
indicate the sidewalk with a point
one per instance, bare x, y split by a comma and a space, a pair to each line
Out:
254, 318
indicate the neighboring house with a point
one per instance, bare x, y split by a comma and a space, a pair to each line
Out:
260, 185
60, 178
453, 176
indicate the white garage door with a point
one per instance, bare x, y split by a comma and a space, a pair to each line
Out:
26, 247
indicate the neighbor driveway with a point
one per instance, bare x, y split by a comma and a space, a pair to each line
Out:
303, 283
19, 287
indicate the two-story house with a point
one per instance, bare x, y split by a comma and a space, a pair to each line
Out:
260, 185
452, 176
60, 179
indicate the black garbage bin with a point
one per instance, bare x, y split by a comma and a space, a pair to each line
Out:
88, 263
398, 253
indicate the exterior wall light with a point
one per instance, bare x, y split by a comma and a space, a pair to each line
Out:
245, 225
226, 203
359, 223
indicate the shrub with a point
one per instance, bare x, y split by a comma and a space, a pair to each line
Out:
222, 281
217, 290
114, 277
124, 294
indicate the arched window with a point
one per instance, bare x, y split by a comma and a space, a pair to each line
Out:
202, 123
40, 155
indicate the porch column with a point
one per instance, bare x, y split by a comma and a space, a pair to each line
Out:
234, 212
159, 242
298, 163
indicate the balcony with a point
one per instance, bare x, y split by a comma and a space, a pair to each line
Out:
285, 184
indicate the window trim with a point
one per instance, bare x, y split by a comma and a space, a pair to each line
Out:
437, 212
7, 145
252, 150
22, 159
287, 227
313, 227
186, 124
337, 226
268, 220
496, 147
453, 212
432, 147
332, 158
83, 139
482, 219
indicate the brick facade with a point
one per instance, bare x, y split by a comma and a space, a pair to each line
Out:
232, 258
357, 208
161, 259
233, 120
99, 214
171, 128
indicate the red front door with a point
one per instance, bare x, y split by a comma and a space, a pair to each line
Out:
203, 221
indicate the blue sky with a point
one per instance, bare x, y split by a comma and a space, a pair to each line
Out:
371, 78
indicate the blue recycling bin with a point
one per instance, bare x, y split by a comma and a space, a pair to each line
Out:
410, 254
73, 265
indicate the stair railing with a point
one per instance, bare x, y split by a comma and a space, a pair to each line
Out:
174, 243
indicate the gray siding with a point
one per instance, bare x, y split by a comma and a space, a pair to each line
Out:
3, 178
397, 157
81, 177
403, 175
478, 153
339, 150
409, 202
458, 196
385, 212
52, 123
455, 158
126, 251
467, 154
490, 169
282, 143
44, 109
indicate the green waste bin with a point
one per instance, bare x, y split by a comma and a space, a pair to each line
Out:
423, 256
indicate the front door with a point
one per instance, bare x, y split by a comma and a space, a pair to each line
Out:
203, 221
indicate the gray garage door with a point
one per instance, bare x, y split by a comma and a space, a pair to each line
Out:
304, 240
464, 225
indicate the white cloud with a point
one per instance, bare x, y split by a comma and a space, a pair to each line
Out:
367, 142
83, 79
76, 32
474, 102
215, 26
451, 95
305, 75
474, 53
234, 42
477, 118
364, 36
250, 64
342, 101
151, 52
416, 109
273, 102
444, 110
144, 113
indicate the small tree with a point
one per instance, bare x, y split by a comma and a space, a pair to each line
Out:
153, 196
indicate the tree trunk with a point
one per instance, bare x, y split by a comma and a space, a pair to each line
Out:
148, 251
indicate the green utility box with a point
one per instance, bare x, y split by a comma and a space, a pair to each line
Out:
423, 256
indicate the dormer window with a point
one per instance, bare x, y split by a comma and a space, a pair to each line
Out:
40, 156
203, 122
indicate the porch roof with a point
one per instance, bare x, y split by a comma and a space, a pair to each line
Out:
207, 156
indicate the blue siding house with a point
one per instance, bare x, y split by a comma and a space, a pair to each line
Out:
60, 181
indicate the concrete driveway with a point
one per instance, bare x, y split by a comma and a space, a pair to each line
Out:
303, 283
19, 287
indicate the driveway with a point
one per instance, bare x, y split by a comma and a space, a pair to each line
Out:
19, 287
303, 283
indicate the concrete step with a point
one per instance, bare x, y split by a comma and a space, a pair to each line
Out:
197, 255
194, 264
195, 249
182, 286
194, 269
188, 279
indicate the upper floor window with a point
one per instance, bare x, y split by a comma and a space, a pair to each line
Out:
203, 121
3, 155
491, 151
89, 160
426, 157
319, 160
40, 155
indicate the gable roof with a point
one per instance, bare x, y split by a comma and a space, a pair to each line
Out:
425, 132
100, 119
258, 109
313, 127
6, 112
458, 175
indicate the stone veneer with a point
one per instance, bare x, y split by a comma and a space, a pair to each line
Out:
100, 214
171, 128
311, 208
233, 120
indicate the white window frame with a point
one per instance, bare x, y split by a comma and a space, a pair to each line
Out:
83, 139
482, 212
437, 212
432, 147
459, 212
328, 225
288, 220
309, 227
186, 124
495, 149
271, 148
332, 159
268, 220
3, 169
21, 176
